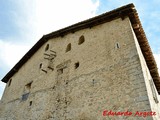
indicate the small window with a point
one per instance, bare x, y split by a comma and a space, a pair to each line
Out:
81, 40
68, 47
40, 66
60, 71
9, 82
117, 45
76, 65
28, 87
47, 47
30, 103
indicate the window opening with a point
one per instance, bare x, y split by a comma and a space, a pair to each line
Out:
30, 103
28, 87
60, 71
40, 66
81, 40
9, 82
47, 47
68, 47
117, 45
76, 65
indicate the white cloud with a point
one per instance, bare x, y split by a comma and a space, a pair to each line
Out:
11, 53
53, 15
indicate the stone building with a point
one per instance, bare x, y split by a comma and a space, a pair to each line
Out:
86, 71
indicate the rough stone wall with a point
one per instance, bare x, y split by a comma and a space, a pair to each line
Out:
103, 73
149, 84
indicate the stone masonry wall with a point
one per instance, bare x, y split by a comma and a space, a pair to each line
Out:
150, 87
78, 76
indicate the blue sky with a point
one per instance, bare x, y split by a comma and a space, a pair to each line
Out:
23, 22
